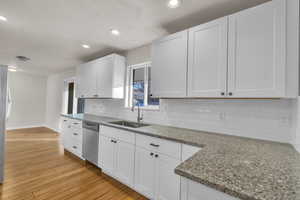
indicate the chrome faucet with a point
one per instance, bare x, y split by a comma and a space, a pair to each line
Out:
140, 115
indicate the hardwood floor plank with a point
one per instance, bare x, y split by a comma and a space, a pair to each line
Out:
36, 168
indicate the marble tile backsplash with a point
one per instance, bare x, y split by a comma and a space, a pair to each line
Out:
261, 119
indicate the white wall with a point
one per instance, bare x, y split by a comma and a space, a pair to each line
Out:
262, 119
28, 94
54, 106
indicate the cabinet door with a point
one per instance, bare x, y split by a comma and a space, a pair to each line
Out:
144, 172
66, 133
86, 80
207, 66
106, 154
167, 182
124, 162
191, 190
169, 66
257, 51
104, 68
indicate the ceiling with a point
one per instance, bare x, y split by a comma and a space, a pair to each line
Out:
51, 32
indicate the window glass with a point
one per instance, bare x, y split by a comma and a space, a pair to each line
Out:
138, 86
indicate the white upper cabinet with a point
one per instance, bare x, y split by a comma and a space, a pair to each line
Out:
102, 78
86, 76
169, 66
257, 43
251, 54
207, 59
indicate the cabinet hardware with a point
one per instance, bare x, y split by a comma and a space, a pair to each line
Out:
154, 145
65, 120
96, 95
75, 123
69, 126
111, 141
222, 93
156, 155
151, 95
82, 96
74, 147
230, 93
151, 154
75, 133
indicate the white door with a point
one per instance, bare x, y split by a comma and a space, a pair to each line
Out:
107, 154
86, 80
207, 66
167, 182
124, 168
256, 65
144, 172
104, 68
169, 66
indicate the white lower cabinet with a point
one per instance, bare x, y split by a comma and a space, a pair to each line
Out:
154, 174
116, 157
144, 181
167, 182
71, 131
191, 190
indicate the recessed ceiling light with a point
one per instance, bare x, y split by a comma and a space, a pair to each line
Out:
2, 18
174, 3
12, 70
115, 32
86, 46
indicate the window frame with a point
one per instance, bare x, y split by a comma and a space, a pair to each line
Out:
129, 86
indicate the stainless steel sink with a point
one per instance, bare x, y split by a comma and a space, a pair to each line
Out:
130, 124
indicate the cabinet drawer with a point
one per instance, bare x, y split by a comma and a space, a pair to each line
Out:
118, 134
76, 124
75, 146
166, 147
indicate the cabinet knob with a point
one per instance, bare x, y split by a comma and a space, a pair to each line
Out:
151, 95
156, 155
75, 133
222, 93
230, 93
151, 154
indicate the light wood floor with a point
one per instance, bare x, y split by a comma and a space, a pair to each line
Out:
37, 169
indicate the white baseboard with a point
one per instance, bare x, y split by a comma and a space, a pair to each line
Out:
27, 126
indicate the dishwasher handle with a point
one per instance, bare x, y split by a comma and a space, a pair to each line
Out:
90, 126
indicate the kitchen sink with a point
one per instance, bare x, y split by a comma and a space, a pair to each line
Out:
130, 124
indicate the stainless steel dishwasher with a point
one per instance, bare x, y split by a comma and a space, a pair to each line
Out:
90, 141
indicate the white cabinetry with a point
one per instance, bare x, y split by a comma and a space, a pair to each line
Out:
116, 154
191, 190
155, 163
102, 78
250, 54
207, 66
169, 66
257, 43
71, 131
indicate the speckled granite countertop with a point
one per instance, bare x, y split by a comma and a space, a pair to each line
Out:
245, 168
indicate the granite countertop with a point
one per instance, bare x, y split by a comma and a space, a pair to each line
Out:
245, 168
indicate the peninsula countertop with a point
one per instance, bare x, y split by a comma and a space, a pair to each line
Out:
246, 168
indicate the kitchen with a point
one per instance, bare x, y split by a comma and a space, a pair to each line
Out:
208, 110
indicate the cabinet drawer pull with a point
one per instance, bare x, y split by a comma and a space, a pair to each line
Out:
65, 120
74, 147
75, 123
96, 95
75, 133
154, 145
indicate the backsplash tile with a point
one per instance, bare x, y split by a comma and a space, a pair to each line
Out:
262, 119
